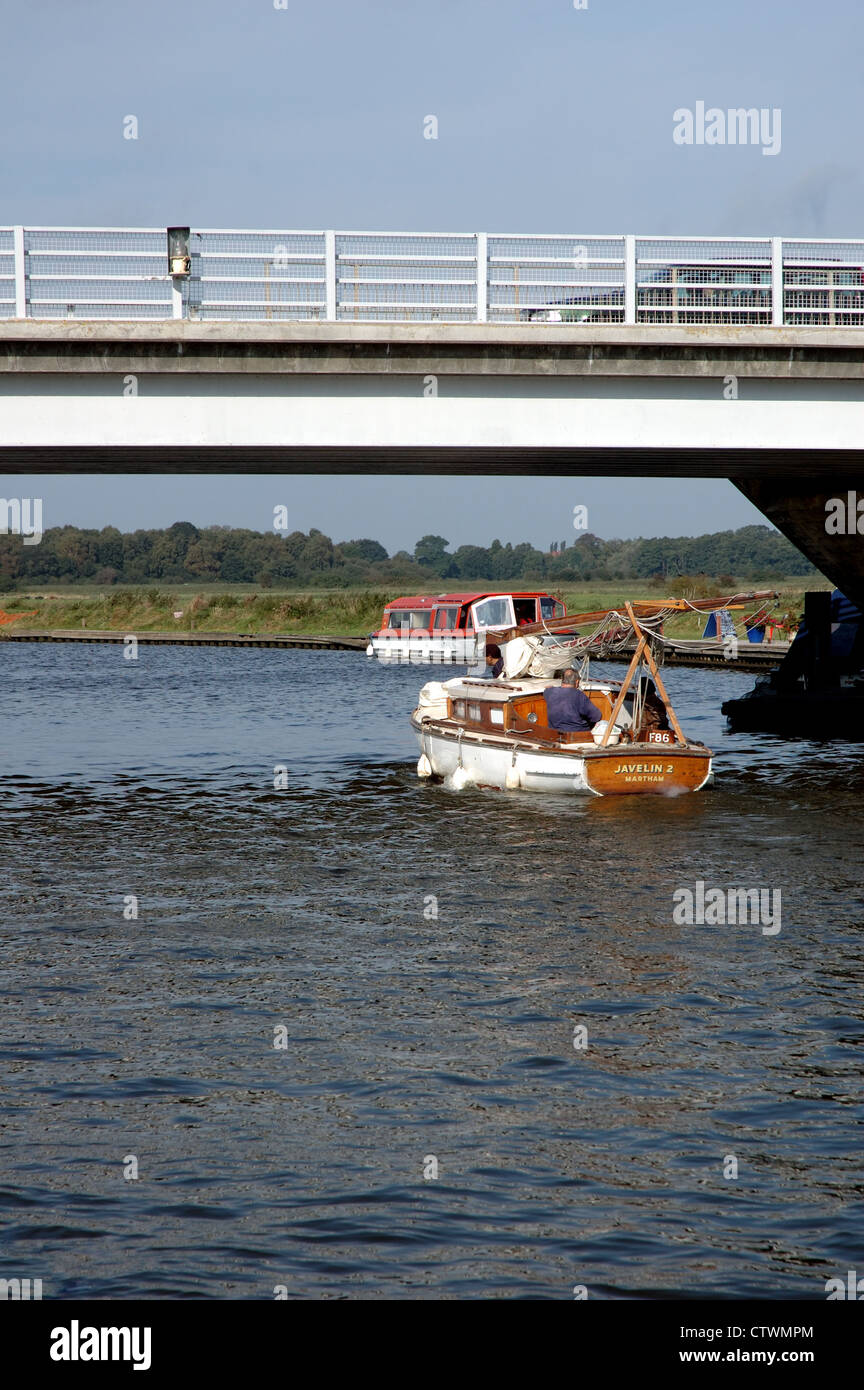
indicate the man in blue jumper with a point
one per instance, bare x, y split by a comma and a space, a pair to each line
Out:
568, 708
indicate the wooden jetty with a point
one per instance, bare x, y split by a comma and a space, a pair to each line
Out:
709, 653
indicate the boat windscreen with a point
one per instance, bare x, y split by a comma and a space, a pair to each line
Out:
493, 612
550, 608
445, 618
410, 618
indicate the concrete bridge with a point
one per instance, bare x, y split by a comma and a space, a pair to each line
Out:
778, 410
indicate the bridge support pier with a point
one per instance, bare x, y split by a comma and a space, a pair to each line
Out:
798, 508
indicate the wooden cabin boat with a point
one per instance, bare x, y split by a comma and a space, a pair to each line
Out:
496, 733
453, 627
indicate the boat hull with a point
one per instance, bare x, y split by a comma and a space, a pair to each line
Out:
454, 650
461, 651
505, 764
640, 771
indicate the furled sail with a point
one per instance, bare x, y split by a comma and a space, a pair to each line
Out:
538, 651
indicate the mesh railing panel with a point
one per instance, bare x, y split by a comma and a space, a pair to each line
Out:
404, 277
710, 280
823, 283
827, 253
97, 309
257, 275
555, 279
7, 273
96, 273
703, 251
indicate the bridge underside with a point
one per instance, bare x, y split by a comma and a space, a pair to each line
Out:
837, 468
780, 412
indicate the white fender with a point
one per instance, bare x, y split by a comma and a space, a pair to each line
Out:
424, 767
459, 779
512, 781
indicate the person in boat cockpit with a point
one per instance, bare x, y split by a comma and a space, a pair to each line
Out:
654, 714
494, 661
568, 708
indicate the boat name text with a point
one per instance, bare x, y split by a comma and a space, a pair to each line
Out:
642, 768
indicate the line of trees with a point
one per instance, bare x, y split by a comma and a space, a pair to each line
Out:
184, 553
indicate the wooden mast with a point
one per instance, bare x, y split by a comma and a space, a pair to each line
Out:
625, 686
661, 689
642, 647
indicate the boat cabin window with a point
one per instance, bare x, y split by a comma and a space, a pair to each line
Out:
410, 618
551, 608
494, 612
526, 610
446, 618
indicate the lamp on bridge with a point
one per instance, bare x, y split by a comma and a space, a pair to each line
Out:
179, 260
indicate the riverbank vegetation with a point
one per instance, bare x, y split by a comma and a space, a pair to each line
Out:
352, 613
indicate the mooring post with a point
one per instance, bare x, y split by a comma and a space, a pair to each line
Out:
817, 616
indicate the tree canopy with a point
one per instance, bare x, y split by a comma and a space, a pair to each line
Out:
184, 553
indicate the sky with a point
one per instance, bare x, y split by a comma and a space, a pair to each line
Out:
397, 511
311, 115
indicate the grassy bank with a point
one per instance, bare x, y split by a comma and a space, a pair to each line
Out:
351, 613
226, 609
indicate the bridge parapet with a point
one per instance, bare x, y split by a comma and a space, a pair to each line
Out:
283, 276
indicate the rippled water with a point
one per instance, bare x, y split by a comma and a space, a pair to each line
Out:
408, 1036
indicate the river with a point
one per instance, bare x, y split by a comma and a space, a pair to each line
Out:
337, 987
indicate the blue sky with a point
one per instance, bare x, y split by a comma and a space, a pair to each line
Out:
396, 511
550, 119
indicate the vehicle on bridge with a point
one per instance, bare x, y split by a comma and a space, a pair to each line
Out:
826, 292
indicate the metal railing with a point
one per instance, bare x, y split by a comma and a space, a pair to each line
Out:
411, 277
